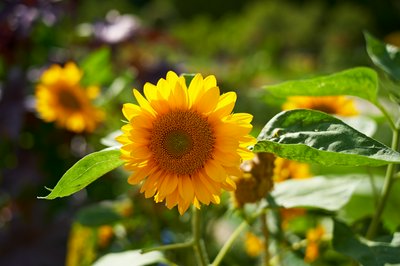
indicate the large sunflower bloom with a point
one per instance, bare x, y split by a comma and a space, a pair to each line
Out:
336, 105
184, 144
61, 99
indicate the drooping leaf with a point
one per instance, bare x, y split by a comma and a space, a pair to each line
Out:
367, 253
316, 137
385, 56
85, 171
97, 215
318, 192
130, 258
359, 81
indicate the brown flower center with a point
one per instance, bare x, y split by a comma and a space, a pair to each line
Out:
324, 108
69, 100
181, 142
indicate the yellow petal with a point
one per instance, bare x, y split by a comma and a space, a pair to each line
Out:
201, 192
180, 96
208, 101
51, 75
172, 199
168, 185
92, 92
196, 89
215, 171
72, 75
143, 102
186, 189
209, 82
138, 176
130, 110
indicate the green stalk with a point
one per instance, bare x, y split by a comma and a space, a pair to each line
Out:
265, 230
228, 244
168, 247
389, 179
199, 251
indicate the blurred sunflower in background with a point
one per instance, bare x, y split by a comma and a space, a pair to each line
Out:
314, 238
60, 98
183, 143
336, 105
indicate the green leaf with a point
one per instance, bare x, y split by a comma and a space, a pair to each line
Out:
97, 215
316, 137
359, 81
116, 87
97, 68
130, 258
328, 193
364, 124
367, 253
85, 171
384, 56
188, 78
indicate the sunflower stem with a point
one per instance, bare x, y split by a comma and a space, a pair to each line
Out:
389, 180
199, 250
264, 228
228, 244
168, 247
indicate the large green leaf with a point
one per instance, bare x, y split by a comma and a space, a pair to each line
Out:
85, 171
313, 136
385, 56
367, 253
359, 81
318, 192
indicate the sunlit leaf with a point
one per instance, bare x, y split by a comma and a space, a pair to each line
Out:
318, 192
130, 258
85, 171
385, 56
97, 68
359, 81
313, 136
367, 253
364, 124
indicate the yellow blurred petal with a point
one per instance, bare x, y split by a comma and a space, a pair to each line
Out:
215, 171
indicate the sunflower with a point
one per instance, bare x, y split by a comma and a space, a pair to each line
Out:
61, 99
256, 180
337, 105
184, 144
